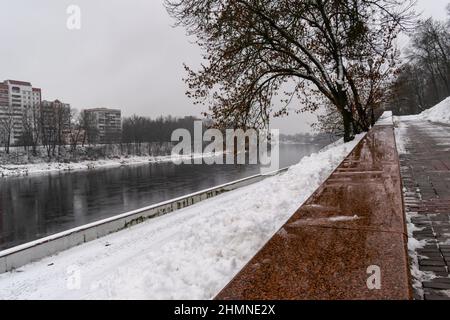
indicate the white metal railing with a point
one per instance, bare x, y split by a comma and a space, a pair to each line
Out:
21, 255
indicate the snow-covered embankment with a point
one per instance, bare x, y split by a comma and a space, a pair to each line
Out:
190, 254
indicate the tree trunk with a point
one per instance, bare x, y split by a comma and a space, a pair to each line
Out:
347, 117
357, 127
372, 116
8, 142
348, 126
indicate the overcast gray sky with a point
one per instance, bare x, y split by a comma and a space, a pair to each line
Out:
127, 55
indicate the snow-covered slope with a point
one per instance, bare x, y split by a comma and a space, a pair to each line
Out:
439, 113
189, 254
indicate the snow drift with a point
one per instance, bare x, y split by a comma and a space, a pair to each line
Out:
439, 113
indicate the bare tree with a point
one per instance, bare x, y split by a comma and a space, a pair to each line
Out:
424, 79
55, 125
329, 122
325, 50
49, 132
31, 132
6, 127
76, 132
138, 129
87, 124
62, 122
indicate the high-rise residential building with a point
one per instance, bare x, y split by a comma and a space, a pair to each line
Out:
18, 101
105, 125
5, 117
4, 94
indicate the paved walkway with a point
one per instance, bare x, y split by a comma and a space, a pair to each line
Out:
352, 227
425, 169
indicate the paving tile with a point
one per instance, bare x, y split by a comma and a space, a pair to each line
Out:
425, 172
436, 297
437, 285
432, 263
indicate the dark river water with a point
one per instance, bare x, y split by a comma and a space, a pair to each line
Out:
37, 206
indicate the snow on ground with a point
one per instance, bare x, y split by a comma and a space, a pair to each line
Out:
439, 113
402, 140
401, 135
189, 254
8, 170
385, 119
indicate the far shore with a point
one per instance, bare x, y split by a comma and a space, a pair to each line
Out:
38, 168
12, 170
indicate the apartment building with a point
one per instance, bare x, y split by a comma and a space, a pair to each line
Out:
105, 125
4, 98
4, 94
18, 101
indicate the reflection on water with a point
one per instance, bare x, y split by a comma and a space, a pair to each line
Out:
37, 206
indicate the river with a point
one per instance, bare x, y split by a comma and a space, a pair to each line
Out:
36, 206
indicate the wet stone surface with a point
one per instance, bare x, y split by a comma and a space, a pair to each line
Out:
425, 170
352, 224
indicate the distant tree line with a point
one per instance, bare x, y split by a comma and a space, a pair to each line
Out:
138, 129
322, 138
56, 130
424, 80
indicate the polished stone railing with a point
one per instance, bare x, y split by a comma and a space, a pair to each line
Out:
348, 241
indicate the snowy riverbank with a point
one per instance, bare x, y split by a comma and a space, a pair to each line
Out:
189, 254
20, 161
51, 167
